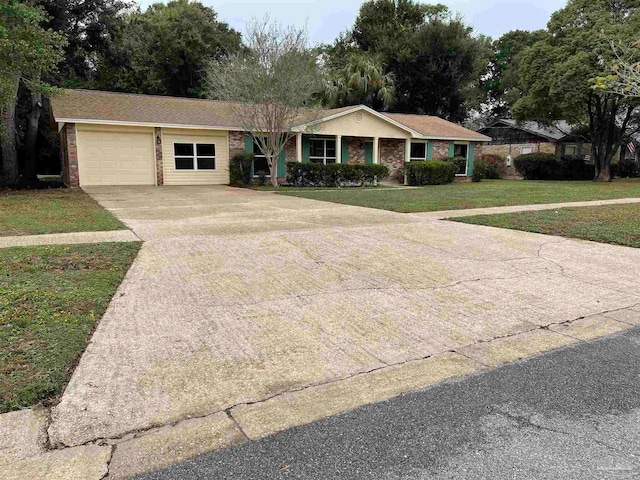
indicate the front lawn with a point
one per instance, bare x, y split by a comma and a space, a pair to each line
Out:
457, 196
618, 224
30, 212
50, 300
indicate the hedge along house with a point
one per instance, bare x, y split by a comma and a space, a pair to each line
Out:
127, 139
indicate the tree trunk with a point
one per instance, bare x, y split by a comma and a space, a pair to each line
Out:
31, 135
10, 172
274, 172
605, 174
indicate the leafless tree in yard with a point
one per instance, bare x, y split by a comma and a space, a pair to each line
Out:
274, 83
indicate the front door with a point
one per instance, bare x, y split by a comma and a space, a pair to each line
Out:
368, 152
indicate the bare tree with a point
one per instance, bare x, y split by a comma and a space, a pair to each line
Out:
274, 83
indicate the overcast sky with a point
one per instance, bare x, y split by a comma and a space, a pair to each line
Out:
326, 19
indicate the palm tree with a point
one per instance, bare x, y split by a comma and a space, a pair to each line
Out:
361, 81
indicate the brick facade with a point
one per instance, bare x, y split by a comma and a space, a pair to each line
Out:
158, 146
290, 150
69, 150
356, 150
392, 152
236, 143
440, 149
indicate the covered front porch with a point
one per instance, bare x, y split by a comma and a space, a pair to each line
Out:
363, 136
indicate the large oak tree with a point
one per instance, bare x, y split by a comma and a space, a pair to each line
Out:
29, 52
557, 72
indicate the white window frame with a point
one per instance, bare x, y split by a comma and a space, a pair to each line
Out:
195, 157
522, 147
259, 155
324, 158
466, 164
426, 151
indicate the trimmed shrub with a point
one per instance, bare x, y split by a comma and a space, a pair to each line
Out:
495, 166
240, 169
431, 172
479, 171
371, 172
625, 168
334, 174
545, 166
575, 168
537, 166
459, 162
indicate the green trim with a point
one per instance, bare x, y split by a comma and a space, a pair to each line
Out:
429, 150
451, 149
344, 156
248, 148
306, 149
281, 168
368, 152
470, 159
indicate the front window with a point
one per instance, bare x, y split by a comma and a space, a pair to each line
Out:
418, 151
461, 150
194, 156
570, 150
322, 150
260, 164
525, 149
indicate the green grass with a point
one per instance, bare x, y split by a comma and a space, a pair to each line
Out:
50, 300
618, 224
488, 193
31, 212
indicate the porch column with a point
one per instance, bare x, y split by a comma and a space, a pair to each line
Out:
375, 150
299, 147
338, 148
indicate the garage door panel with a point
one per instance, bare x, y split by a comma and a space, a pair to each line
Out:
116, 158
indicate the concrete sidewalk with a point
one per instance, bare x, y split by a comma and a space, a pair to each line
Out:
443, 214
68, 238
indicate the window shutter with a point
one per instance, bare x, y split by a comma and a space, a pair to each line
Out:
306, 149
470, 160
281, 165
345, 150
429, 150
248, 143
451, 149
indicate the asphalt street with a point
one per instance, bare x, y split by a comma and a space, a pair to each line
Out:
570, 414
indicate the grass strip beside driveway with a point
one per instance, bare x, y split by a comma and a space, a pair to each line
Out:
457, 196
50, 300
33, 212
617, 224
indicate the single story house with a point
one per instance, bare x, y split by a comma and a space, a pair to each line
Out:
510, 139
127, 139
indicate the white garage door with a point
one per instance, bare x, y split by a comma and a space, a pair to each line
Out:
116, 158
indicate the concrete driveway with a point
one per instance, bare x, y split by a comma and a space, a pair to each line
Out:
279, 310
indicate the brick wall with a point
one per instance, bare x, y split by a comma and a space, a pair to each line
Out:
158, 146
236, 143
356, 150
440, 149
392, 155
513, 149
70, 151
290, 150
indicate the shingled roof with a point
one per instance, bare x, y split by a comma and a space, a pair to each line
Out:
110, 107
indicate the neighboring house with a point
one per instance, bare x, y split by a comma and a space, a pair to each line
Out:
631, 151
510, 139
125, 139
